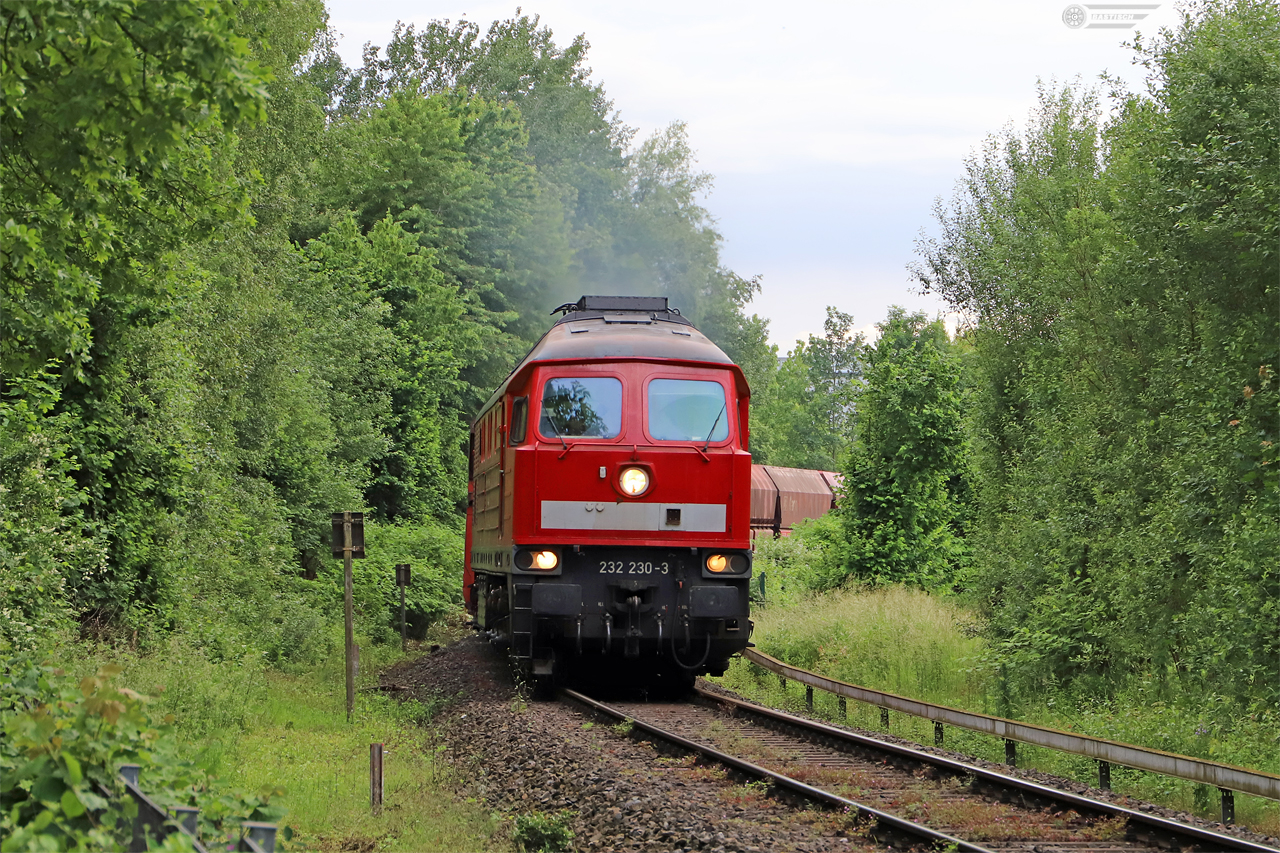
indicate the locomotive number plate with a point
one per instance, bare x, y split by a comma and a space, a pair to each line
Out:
633, 567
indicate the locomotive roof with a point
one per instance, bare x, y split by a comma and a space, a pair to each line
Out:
597, 328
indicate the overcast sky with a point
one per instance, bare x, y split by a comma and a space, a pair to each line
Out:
830, 127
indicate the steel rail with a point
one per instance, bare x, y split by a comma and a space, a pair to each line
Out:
1222, 776
883, 819
1206, 839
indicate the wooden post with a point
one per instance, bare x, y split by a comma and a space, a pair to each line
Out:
375, 777
402, 580
348, 615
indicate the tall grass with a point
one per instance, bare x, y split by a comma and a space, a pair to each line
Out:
897, 639
302, 743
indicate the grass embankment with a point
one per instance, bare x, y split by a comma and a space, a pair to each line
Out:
908, 642
258, 728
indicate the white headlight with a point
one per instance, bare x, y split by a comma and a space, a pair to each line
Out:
633, 481
545, 559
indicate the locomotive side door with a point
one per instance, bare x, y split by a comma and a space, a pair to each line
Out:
502, 451
468, 572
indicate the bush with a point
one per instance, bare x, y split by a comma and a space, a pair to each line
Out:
63, 745
795, 566
435, 554
40, 529
783, 566
543, 833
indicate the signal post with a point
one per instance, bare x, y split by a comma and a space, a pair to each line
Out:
348, 529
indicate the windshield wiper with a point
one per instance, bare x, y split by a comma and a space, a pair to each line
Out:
555, 426
714, 425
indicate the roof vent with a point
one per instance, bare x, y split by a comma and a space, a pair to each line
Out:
622, 303
620, 309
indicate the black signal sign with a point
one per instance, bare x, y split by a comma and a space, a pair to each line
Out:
338, 542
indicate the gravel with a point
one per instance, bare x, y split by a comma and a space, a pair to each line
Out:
618, 793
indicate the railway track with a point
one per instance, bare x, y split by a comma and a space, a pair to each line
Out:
903, 795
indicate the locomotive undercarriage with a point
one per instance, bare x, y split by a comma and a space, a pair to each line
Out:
637, 616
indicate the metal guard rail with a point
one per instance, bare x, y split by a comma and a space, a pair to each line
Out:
154, 821
1222, 776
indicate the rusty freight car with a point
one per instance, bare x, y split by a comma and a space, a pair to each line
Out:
783, 497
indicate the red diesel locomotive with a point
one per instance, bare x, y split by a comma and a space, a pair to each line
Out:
609, 500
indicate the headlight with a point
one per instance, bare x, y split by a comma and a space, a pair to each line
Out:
537, 560
633, 481
726, 564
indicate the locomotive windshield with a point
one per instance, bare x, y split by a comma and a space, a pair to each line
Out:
586, 407
687, 410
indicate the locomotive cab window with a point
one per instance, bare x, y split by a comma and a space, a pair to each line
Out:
687, 410
519, 420
581, 407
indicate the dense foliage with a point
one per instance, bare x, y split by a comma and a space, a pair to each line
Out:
802, 412
905, 484
1121, 279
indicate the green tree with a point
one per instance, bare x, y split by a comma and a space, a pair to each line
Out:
422, 472
904, 483
276, 156
1122, 280
245, 286
604, 219
115, 150
804, 417
110, 114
